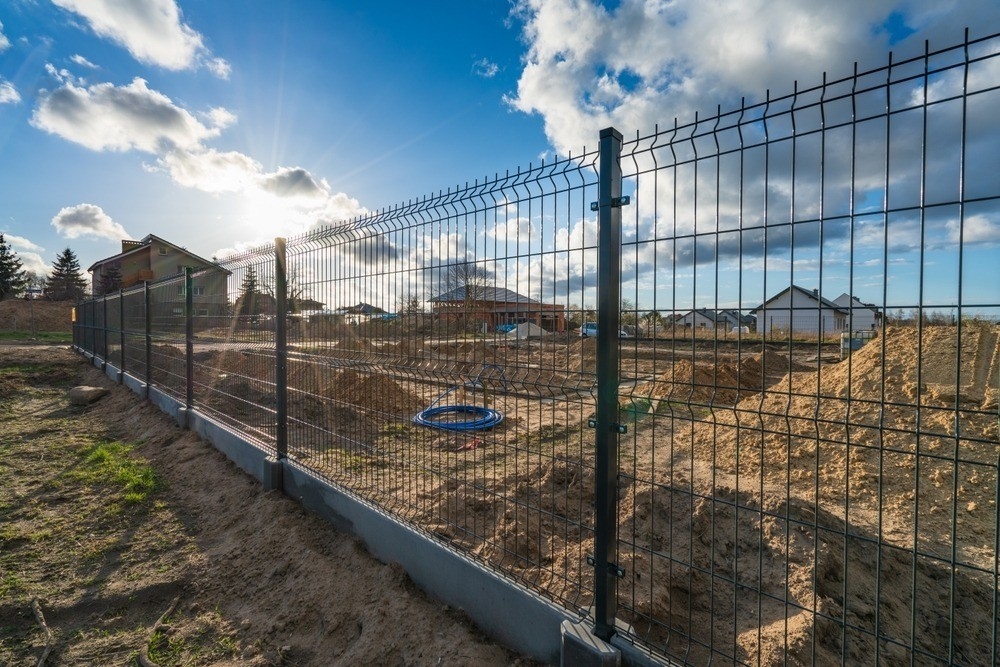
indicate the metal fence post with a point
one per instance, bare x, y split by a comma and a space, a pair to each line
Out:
121, 333
189, 337
606, 570
104, 328
281, 348
149, 336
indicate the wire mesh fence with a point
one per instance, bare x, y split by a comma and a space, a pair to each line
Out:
777, 441
816, 483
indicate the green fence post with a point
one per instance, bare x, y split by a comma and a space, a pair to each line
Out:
189, 337
606, 569
281, 348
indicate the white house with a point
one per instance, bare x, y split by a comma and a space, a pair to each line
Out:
797, 311
860, 315
699, 320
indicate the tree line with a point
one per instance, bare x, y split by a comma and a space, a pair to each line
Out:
63, 282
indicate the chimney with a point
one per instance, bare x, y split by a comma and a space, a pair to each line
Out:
130, 245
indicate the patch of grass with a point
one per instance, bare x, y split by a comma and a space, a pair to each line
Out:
109, 464
10, 584
205, 644
38, 336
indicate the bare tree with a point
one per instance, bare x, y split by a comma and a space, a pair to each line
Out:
466, 282
408, 303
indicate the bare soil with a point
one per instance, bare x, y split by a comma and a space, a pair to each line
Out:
257, 580
858, 497
19, 315
784, 509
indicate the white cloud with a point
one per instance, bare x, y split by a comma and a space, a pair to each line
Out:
27, 251
4, 42
82, 62
219, 67
151, 30
108, 117
20, 243
975, 229
293, 182
648, 61
105, 117
32, 262
87, 220
209, 170
8, 94
485, 68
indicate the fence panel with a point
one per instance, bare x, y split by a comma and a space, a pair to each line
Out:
167, 329
780, 502
133, 306
113, 329
234, 344
412, 313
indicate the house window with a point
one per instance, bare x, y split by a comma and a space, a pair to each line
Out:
162, 251
195, 290
202, 312
178, 311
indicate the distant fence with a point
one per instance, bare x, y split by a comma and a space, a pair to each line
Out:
735, 493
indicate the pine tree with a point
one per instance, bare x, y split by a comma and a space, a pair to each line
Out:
111, 280
66, 282
12, 277
247, 304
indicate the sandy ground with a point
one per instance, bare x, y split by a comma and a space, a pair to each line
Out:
257, 580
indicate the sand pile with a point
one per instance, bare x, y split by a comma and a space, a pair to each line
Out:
516, 521
767, 543
812, 469
839, 444
710, 381
583, 355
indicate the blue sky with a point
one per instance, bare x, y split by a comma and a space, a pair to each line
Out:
220, 124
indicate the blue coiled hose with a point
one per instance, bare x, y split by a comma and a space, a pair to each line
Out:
445, 416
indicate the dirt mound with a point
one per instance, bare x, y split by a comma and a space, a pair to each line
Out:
767, 543
16, 314
711, 381
582, 354
835, 444
378, 393
883, 445
520, 521
948, 371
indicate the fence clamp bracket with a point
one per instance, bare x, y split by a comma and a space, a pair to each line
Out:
619, 428
616, 202
614, 568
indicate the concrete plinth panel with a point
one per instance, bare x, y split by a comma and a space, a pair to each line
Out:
580, 647
135, 384
168, 404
